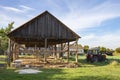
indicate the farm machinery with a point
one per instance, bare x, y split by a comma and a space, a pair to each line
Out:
94, 55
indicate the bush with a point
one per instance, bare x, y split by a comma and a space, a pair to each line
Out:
117, 50
1, 52
114, 63
73, 65
116, 53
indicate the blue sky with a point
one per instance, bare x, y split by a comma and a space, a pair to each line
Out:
96, 21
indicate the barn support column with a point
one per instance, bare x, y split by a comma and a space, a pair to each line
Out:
12, 45
76, 51
52, 50
8, 54
55, 53
14, 52
18, 47
68, 53
45, 50
61, 54
35, 52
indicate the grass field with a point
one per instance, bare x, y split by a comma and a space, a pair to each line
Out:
2, 59
87, 71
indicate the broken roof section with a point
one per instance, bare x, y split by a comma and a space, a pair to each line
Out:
43, 26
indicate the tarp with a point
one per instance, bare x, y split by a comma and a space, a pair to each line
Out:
28, 71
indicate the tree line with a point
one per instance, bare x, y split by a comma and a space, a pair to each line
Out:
104, 50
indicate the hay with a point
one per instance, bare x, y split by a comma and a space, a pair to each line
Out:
114, 63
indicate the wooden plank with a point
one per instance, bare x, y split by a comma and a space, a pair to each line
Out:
77, 51
45, 50
68, 52
9, 52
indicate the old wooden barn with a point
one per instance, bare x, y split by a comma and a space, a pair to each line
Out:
43, 31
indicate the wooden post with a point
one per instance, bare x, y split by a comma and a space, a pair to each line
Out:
55, 52
61, 54
68, 53
14, 52
17, 50
76, 51
45, 50
35, 52
11, 50
8, 54
52, 50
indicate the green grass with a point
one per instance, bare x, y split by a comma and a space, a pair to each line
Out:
87, 71
2, 59
2, 56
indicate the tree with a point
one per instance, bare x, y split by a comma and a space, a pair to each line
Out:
86, 47
117, 50
4, 38
108, 50
102, 49
9, 28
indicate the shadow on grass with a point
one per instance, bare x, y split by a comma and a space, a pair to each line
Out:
47, 74
94, 78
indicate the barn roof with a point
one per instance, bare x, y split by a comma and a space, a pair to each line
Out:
43, 26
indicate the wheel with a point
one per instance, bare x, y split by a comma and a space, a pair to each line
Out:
95, 59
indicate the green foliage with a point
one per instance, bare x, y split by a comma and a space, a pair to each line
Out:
114, 63
4, 38
2, 32
86, 47
1, 51
102, 49
9, 27
117, 50
109, 50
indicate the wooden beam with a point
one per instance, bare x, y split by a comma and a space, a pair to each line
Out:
55, 53
14, 52
9, 53
68, 52
45, 50
61, 54
17, 53
11, 48
76, 51
35, 52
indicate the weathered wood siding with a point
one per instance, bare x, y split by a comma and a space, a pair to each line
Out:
42, 27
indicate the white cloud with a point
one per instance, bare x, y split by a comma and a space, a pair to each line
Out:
14, 14
11, 9
26, 7
21, 9
107, 40
77, 20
